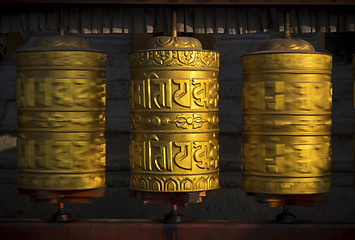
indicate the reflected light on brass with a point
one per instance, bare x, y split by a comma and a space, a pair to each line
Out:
174, 98
61, 97
286, 103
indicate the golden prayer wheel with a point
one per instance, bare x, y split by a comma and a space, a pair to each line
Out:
61, 97
286, 103
174, 97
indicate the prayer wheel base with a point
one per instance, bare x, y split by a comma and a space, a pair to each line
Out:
276, 200
178, 198
285, 216
60, 215
52, 196
173, 216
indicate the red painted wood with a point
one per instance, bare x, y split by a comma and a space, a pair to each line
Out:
149, 230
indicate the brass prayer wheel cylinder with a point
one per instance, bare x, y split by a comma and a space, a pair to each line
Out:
61, 97
286, 103
174, 98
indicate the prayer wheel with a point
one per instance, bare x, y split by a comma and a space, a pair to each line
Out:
286, 104
61, 97
174, 98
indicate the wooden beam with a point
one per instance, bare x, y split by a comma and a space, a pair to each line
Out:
115, 229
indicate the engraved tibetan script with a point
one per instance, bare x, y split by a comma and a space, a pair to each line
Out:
165, 93
59, 154
155, 155
311, 96
182, 96
152, 154
182, 158
162, 97
63, 92
263, 96
205, 92
206, 154
286, 159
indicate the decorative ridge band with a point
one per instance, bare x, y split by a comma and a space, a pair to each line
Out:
171, 58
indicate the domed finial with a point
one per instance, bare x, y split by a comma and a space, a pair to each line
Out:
287, 43
173, 23
62, 41
287, 33
173, 42
61, 23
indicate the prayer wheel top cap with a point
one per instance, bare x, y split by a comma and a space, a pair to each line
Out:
287, 45
176, 43
61, 43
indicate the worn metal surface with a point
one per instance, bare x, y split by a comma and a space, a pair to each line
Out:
154, 230
286, 102
174, 97
61, 99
